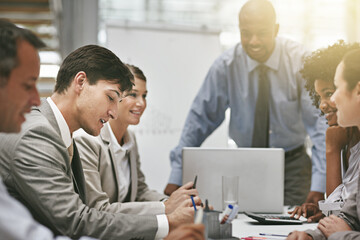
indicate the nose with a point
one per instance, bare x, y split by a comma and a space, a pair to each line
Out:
323, 105
332, 98
140, 102
113, 111
35, 97
254, 40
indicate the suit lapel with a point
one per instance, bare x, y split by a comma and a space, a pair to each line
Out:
76, 167
105, 137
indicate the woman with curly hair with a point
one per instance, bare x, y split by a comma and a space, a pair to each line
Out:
342, 144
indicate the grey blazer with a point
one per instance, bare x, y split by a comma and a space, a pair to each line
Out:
102, 181
351, 214
35, 167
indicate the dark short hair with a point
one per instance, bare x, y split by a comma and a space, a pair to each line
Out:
10, 35
321, 64
98, 63
351, 73
137, 72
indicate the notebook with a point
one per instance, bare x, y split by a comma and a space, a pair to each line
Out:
260, 171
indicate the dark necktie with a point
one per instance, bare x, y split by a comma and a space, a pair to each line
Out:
261, 119
77, 173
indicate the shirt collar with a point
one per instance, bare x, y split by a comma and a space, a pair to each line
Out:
127, 141
272, 62
64, 128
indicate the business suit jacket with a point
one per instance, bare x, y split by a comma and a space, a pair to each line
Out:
101, 174
350, 213
35, 167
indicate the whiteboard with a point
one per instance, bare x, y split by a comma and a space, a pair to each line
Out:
175, 61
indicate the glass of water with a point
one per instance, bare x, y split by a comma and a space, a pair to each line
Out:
230, 188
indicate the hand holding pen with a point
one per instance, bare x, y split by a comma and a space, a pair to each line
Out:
184, 213
179, 196
192, 196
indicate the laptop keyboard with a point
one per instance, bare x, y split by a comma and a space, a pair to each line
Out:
279, 217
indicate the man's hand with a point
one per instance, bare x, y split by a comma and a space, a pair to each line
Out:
332, 224
179, 196
314, 197
309, 210
188, 232
170, 188
183, 213
295, 235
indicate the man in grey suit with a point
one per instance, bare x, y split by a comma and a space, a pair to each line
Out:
41, 166
19, 70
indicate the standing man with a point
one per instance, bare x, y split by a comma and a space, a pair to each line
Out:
41, 165
259, 81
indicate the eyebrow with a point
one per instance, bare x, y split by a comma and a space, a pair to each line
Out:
326, 89
33, 78
117, 93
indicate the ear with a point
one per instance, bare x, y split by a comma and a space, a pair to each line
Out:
357, 89
79, 81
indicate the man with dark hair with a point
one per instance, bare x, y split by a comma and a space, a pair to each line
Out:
19, 70
258, 80
18, 57
41, 164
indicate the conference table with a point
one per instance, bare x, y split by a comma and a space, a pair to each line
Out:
243, 226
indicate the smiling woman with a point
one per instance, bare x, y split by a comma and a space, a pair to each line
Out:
347, 100
342, 144
347, 94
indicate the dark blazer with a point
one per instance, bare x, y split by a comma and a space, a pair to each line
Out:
35, 167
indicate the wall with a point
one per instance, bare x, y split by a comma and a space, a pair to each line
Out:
175, 61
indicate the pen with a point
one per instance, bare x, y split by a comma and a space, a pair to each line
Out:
193, 202
258, 238
194, 185
199, 216
253, 238
274, 235
206, 206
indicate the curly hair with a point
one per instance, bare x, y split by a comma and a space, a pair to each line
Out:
321, 64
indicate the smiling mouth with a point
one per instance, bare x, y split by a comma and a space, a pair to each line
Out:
135, 112
255, 49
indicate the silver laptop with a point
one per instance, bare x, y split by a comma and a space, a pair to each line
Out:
260, 171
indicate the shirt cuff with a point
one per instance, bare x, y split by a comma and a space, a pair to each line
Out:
176, 176
164, 200
163, 226
318, 183
163, 207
